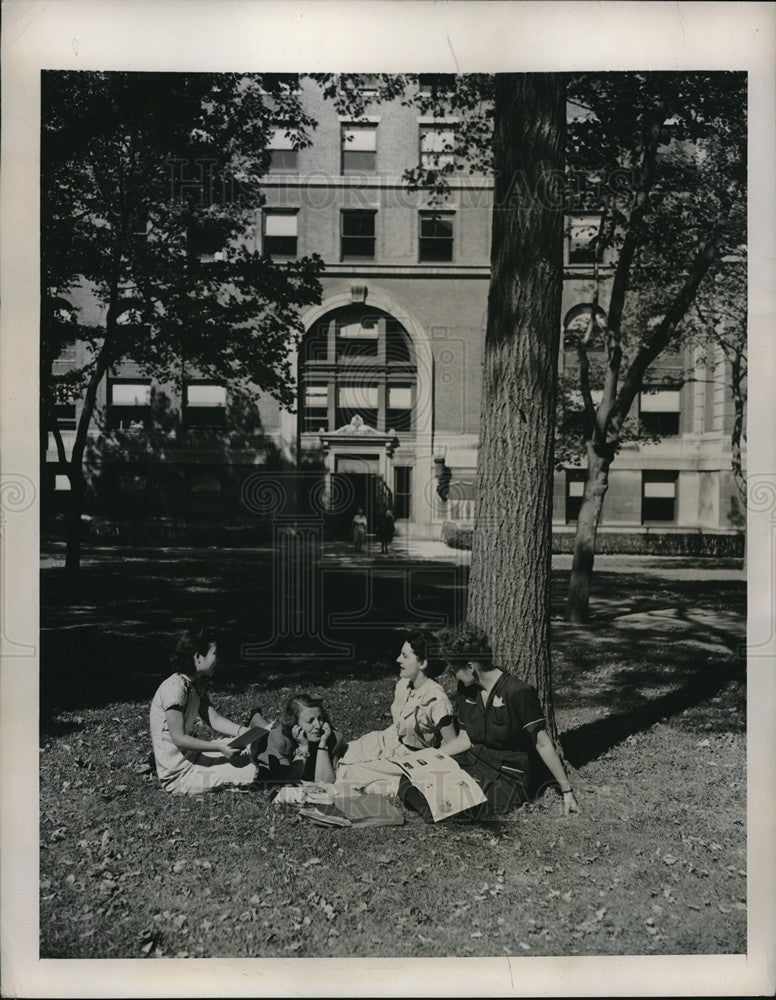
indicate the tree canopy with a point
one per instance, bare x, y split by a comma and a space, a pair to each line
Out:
150, 189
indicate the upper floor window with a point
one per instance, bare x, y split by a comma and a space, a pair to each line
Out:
436, 83
283, 153
436, 145
658, 495
129, 405
358, 235
64, 414
436, 236
356, 337
659, 411
66, 351
204, 404
281, 83
316, 406
359, 148
368, 84
355, 361
398, 413
360, 399
280, 232
581, 247
207, 240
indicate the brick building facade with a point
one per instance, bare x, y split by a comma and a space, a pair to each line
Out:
397, 341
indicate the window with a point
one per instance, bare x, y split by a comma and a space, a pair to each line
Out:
358, 399
436, 143
436, 236
357, 362
64, 414
359, 148
367, 84
582, 230
316, 406
358, 235
207, 239
129, 405
357, 338
397, 346
575, 489
283, 154
402, 491
658, 496
280, 230
280, 83
66, 351
659, 411
204, 405
433, 83
398, 414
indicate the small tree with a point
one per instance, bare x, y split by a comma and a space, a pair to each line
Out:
150, 183
686, 208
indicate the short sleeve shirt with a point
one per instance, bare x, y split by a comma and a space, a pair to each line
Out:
508, 718
177, 692
418, 713
281, 751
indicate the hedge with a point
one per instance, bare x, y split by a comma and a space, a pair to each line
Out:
650, 542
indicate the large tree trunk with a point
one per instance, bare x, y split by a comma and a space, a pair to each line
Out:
509, 588
596, 485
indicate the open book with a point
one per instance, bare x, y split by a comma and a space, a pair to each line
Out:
246, 739
447, 788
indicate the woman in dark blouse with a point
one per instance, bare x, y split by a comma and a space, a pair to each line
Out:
501, 724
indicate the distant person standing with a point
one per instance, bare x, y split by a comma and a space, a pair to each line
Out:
385, 531
358, 529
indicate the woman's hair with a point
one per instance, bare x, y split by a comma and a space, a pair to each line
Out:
463, 643
294, 708
192, 641
424, 645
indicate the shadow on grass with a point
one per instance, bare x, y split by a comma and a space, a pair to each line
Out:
592, 740
108, 637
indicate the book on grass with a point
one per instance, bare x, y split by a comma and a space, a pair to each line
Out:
358, 809
446, 787
246, 739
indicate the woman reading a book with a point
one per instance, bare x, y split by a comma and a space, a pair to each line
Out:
501, 725
422, 717
185, 763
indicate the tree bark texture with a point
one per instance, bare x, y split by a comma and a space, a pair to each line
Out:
509, 589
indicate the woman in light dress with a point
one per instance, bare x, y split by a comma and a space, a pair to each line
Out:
422, 717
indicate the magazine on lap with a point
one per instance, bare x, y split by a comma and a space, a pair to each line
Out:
447, 788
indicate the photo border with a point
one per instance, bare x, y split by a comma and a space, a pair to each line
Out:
320, 35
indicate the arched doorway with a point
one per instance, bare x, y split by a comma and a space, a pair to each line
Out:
358, 407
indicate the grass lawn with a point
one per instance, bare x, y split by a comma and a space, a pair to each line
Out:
650, 704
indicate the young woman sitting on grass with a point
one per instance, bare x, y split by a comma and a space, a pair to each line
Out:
501, 725
187, 764
422, 718
303, 747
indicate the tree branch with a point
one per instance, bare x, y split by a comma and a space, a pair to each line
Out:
662, 334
